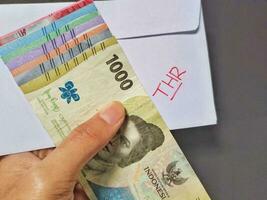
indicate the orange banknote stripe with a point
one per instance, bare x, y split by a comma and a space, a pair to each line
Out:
60, 50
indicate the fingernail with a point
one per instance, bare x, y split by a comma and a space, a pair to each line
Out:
112, 113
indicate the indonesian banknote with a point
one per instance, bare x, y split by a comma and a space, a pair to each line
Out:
68, 75
23, 31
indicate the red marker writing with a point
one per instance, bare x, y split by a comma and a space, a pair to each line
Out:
171, 83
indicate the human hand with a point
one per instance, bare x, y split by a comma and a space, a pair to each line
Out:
25, 176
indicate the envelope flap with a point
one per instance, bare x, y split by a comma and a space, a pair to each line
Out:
130, 18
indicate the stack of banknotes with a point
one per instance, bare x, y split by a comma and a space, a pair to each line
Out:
69, 64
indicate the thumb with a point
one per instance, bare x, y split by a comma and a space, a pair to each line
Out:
85, 141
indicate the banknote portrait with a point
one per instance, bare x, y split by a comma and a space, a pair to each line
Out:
134, 141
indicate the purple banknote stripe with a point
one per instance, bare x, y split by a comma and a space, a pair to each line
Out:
53, 44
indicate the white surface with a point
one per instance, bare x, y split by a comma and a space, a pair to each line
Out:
152, 56
20, 129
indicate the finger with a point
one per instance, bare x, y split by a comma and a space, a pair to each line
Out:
79, 193
85, 141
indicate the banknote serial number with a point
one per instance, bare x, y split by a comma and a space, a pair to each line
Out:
121, 76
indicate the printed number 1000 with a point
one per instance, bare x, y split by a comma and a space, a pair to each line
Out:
121, 75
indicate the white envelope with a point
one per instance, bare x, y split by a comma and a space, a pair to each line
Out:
164, 39
20, 128
161, 36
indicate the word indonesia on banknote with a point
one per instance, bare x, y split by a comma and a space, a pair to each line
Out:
75, 68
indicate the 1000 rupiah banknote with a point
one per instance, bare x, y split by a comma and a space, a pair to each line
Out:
23, 31
36, 35
59, 51
76, 25
97, 35
53, 43
142, 161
